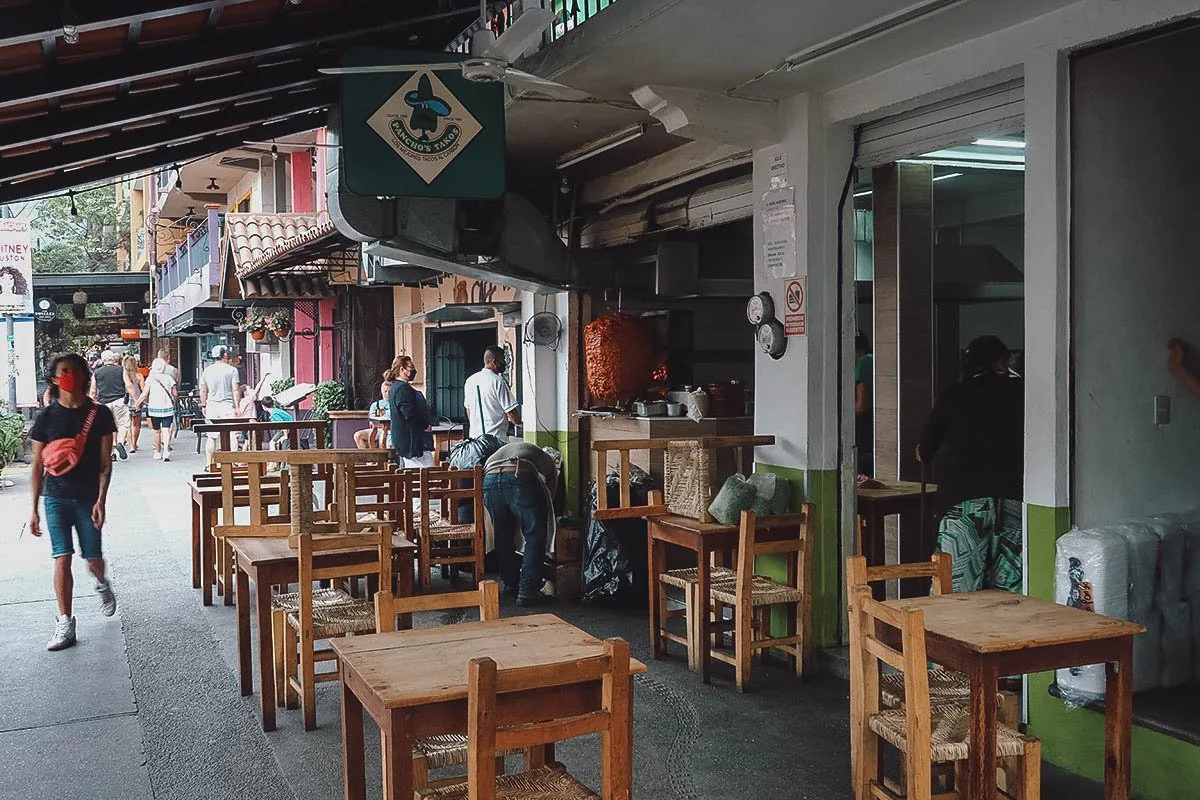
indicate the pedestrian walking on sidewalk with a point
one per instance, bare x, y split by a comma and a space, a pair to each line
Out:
72, 439
110, 388
159, 396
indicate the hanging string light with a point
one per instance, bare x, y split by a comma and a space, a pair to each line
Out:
178, 177
74, 208
274, 152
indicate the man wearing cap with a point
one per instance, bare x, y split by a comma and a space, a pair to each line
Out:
220, 394
975, 440
110, 388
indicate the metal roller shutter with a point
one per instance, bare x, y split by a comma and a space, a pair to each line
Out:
995, 110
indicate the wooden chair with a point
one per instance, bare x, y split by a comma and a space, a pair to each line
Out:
924, 732
944, 685
751, 595
441, 538
448, 750
503, 714
319, 616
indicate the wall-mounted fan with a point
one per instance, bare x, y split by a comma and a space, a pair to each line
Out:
544, 329
491, 58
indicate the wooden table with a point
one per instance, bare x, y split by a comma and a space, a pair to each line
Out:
206, 502
902, 499
269, 561
444, 437
704, 539
992, 633
414, 684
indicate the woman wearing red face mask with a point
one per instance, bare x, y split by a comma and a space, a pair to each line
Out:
76, 494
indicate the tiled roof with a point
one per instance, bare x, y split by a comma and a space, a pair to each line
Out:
255, 239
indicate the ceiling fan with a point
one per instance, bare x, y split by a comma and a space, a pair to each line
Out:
491, 58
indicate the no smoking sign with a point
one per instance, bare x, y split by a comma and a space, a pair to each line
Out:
795, 306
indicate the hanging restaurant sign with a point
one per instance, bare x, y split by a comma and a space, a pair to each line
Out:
420, 132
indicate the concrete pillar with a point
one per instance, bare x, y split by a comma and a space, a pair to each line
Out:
797, 396
903, 306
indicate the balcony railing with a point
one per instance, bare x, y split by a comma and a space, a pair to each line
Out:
571, 13
192, 275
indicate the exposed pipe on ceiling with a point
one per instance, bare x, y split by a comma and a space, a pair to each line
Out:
860, 35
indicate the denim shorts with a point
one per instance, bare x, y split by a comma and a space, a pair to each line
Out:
63, 514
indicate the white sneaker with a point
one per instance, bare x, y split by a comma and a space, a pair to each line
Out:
108, 600
64, 634
157, 455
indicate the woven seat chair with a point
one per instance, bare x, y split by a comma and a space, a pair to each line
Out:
442, 539
526, 725
936, 735
750, 595
312, 621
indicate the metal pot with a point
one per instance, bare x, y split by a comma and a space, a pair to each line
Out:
676, 409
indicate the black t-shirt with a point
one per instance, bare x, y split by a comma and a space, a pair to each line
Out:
56, 421
110, 383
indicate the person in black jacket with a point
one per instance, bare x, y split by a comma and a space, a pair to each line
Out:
975, 440
409, 414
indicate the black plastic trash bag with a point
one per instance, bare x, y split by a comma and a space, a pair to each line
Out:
612, 573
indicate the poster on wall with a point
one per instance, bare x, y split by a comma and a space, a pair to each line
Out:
16, 267
22, 361
779, 233
795, 307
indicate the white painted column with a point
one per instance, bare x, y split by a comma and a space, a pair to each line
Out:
796, 396
1047, 282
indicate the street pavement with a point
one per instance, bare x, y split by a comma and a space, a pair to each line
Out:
147, 704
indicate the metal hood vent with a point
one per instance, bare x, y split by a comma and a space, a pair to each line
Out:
461, 312
507, 241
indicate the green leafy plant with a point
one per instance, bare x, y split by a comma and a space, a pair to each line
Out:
329, 396
281, 385
12, 438
280, 320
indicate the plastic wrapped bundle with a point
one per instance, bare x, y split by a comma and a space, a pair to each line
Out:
1147, 652
736, 495
1142, 546
1195, 604
1177, 664
1168, 588
1090, 573
618, 353
773, 494
1191, 554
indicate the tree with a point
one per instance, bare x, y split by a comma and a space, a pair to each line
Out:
85, 242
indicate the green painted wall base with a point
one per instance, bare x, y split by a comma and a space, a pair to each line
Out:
819, 487
1164, 768
567, 443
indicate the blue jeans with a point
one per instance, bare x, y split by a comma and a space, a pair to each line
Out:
63, 514
512, 501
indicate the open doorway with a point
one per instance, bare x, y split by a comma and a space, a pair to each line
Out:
453, 354
939, 261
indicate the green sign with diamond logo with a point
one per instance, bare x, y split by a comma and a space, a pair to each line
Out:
421, 132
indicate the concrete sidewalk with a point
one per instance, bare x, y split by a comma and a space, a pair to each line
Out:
147, 704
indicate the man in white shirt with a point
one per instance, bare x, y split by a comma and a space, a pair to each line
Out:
490, 403
220, 393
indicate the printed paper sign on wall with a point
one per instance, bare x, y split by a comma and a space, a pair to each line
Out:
795, 307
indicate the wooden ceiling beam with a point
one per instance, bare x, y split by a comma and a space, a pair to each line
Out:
30, 22
168, 101
290, 35
65, 156
61, 181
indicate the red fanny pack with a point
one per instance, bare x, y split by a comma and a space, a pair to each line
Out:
62, 455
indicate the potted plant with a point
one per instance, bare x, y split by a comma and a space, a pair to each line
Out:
280, 322
255, 324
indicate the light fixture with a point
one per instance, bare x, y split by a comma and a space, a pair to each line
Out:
947, 177
212, 184
945, 162
295, 2
601, 145
70, 24
178, 177
274, 152
74, 208
867, 193
565, 186
1000, 143
79, 298
971, 155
